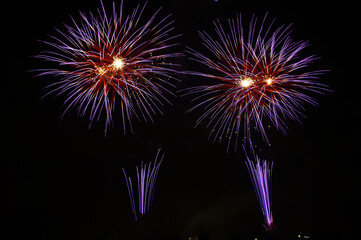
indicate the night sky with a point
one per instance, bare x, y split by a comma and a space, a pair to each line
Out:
65, 180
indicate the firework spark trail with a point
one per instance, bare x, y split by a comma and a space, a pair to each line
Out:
113, 62
146, 180
259, 77
261, 175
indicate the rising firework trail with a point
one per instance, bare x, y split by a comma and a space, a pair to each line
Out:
257, 78
261, 175
107, 63
145, 184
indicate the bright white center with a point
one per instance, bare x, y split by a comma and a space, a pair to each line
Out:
269, 81
246, 82
118, 63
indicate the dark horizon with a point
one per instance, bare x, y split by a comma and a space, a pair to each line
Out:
66, 181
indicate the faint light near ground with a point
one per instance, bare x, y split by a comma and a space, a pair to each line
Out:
303, 236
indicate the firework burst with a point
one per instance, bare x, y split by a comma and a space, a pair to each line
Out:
107, 63
261, 175
146, 179
259, 76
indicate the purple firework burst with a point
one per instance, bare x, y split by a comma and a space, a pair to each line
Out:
261, 175
259, 78
113, 62
145, 184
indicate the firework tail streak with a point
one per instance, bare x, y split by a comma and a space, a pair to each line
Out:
261, 175
146, 180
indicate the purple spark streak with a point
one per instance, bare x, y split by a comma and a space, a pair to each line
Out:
261, 175
110, 63
146, 180
257, 78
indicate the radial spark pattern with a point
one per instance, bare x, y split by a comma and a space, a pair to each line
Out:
111, 62
145, 183
259, 79
261, 175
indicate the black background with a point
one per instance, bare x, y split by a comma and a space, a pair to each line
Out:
65, 180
